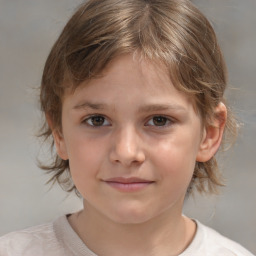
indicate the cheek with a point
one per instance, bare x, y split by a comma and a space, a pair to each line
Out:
176, 158
85, 160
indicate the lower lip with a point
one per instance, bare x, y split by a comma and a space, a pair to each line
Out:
129, 187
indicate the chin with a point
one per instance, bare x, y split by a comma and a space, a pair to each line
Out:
131, 216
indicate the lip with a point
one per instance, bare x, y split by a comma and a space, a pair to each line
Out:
131, 184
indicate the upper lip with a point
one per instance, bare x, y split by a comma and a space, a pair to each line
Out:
128, 180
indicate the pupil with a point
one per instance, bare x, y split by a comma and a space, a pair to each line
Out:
98, 120
159, 120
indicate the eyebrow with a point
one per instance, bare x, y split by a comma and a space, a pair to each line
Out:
85, 105
161, 107
145, 108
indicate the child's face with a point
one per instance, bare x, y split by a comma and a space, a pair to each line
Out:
132, 141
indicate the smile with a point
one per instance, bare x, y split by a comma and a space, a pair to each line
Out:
128, 184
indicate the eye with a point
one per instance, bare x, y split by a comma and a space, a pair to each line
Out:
159, 121
96, 121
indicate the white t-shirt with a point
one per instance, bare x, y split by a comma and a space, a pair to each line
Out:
59, 239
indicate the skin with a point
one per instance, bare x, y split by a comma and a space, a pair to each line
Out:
132, 141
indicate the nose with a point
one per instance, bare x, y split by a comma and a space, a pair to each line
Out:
127, 147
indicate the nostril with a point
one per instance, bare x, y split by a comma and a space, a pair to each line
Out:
127, 147
127, 156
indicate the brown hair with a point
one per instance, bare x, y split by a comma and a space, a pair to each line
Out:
173, 32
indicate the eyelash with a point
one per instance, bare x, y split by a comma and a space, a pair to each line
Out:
86, 121
168, 121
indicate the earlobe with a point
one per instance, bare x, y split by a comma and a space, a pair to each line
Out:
212, 135
59, 141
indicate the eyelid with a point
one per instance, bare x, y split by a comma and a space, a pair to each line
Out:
169, 122
85, 120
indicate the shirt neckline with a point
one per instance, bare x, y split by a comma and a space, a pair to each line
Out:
73, 243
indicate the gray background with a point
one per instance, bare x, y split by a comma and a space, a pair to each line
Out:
28, 29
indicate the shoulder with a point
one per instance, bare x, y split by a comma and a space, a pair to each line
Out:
209, 242
38, 240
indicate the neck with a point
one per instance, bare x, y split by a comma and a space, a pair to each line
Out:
167, 234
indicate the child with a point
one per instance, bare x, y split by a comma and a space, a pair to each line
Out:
132, 92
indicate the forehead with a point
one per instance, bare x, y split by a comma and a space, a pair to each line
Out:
128, 79
131, 67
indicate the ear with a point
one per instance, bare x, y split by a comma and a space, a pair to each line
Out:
59, 140
212, 135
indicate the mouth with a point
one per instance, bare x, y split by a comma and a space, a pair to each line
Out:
131, 184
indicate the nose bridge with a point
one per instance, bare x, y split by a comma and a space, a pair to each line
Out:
127, 146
